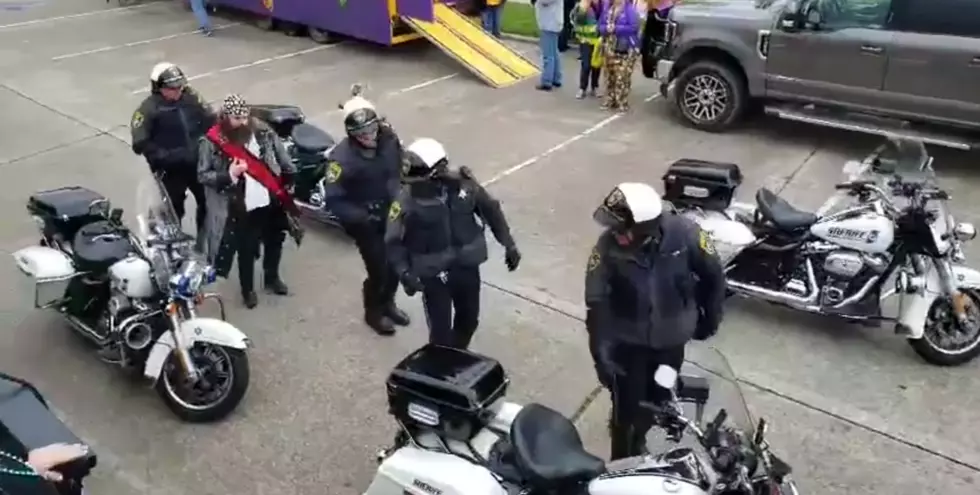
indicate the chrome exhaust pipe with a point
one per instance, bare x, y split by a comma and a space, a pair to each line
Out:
85, 330
138, 336
780, 296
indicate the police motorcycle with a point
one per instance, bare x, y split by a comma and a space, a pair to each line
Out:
136, 293
888, 221
309, 147
458, 435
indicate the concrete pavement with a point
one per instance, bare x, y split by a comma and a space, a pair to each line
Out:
853, 409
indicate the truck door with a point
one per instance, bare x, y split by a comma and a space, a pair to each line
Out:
838, 56
934, 67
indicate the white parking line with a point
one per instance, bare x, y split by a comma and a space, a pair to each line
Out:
550, 151
137, 43
251, 64
75, 16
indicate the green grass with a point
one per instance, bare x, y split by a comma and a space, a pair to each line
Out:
518, 18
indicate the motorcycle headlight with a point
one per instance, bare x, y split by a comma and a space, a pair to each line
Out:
191, 278
964, 231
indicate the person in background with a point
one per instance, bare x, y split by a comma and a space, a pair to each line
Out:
200, 9
549, 16
619, 26
490, 13
585, 19
566, 28
653, 33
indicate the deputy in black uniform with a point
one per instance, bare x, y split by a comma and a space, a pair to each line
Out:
166, 129
436, 242
362, 180
652, 283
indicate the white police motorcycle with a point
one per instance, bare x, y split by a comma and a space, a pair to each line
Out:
457, 435
137, 291
838, 261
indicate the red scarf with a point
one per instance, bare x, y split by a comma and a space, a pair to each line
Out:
257, 169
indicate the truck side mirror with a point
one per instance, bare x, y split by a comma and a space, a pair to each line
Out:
790, 21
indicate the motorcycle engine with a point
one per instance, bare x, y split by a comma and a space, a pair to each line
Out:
845, 273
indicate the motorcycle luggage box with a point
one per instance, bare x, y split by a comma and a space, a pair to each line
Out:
445, 390
64, 210
310, 139
26, 423
690, 183
281, 118
96, 248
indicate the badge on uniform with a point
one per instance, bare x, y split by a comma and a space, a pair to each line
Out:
594, 260
333, 172
462, 193
705, 243
137, 121
395, 211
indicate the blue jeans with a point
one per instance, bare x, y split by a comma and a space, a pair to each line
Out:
550, 58
201, 13
491, 20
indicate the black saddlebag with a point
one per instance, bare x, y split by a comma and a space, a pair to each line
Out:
281, 118
701, 184
445, 390
26, 424
64, 210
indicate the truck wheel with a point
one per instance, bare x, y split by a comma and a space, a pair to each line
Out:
710, 96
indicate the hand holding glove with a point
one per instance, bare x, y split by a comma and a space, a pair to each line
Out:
411, 283
512, 257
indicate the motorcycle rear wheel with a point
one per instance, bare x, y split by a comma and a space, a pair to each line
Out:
940, 320
227, 367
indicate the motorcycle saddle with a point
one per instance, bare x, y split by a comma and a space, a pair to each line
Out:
782, 214
548, 450
311, 139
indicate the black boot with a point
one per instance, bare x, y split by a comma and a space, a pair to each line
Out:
250, 299
397, 316
275, 285
381, 324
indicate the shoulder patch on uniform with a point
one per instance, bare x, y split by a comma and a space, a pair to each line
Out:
705, 242
333, 171
594, 260
394, 211
137, 121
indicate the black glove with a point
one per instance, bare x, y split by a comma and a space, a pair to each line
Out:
512, 257
411, 283
706, 328
607, 358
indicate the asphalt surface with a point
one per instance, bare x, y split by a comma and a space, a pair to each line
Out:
852, 408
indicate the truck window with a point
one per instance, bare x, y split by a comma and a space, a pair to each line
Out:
949, 17
841, 14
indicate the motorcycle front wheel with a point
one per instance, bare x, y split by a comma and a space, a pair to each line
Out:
220, 387
944, 341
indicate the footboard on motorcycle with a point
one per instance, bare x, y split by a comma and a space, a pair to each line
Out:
27, 423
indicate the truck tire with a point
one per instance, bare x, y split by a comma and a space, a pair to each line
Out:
710, 96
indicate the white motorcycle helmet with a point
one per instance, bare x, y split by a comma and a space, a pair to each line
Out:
424, 158
633, 210
167, 75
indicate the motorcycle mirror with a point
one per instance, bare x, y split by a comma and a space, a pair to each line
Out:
665, 376
760, 431
115, 216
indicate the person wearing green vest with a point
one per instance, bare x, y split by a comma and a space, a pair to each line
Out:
585, 22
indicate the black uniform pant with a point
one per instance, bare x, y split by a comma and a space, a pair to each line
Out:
381, 283
177, 182
565, 35
632, 384
452, 306
262, 228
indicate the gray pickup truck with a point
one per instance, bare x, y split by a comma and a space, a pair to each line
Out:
910, 67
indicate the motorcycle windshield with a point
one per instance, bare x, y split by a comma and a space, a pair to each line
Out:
163, 241
725, 392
